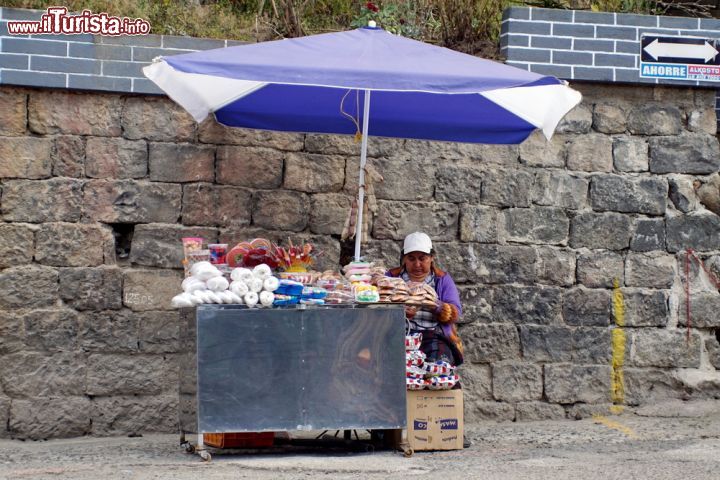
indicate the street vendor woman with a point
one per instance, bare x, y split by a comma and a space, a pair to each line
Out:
440, 340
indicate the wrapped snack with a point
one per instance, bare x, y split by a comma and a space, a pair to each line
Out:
270, 284
415, 358
439, 368
206, 272
182, 300
255, 285
217, 284
214, 296
239, 288
412, 342
282, 300
442, 382
312, 301
225, 296
262, 271
266, 298
289, 287
196, 257
190, 284
251, 299
415, 383
338, 297
242, 274
218, 253
235, 297
314, 292
366, 294
414, 372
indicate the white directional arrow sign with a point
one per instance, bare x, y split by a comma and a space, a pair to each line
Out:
681, 50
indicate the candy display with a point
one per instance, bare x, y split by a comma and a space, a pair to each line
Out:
218, 253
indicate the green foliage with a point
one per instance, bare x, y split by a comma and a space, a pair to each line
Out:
472, 26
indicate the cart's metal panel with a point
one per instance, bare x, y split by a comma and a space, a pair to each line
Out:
293, 369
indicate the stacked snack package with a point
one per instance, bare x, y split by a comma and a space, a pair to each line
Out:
414, 360
440, 375
339, 289
359, 274
421, 294
392, 290
421, 374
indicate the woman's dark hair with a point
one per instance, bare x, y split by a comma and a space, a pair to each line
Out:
402, 255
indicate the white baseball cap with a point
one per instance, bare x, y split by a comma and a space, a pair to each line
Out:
417, 242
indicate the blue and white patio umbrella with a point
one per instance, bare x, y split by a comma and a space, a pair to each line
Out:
315, 84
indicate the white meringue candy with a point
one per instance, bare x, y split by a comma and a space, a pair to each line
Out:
267, 298
239, 288
251, 299
206, 273
242, 274
214, 297
262, 271
226, 296
181, 301
191, 284
235, 298
271, 284
255, 285
199, 296
217, 284
199, 265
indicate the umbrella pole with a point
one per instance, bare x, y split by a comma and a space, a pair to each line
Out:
361, 181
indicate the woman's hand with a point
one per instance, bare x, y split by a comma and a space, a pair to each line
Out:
410, 312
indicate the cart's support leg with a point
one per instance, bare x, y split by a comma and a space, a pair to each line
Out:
200, 449
347, 435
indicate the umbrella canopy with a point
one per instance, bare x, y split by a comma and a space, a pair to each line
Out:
316, 84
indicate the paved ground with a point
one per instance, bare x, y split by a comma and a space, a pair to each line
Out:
682, 443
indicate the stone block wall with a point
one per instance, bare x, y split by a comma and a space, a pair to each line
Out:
98, 189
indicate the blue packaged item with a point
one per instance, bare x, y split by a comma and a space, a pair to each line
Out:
283, 300
314, 293
289, 287
312, 301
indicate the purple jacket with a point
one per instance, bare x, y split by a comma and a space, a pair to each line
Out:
444, 287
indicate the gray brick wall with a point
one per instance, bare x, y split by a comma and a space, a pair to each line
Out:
592, 46
86, 62
582, 45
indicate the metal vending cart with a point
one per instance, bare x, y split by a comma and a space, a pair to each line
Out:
288, 369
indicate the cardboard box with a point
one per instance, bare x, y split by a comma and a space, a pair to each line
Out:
435, 419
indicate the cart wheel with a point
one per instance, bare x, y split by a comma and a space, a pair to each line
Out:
205, 455
189, 447
408, 451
